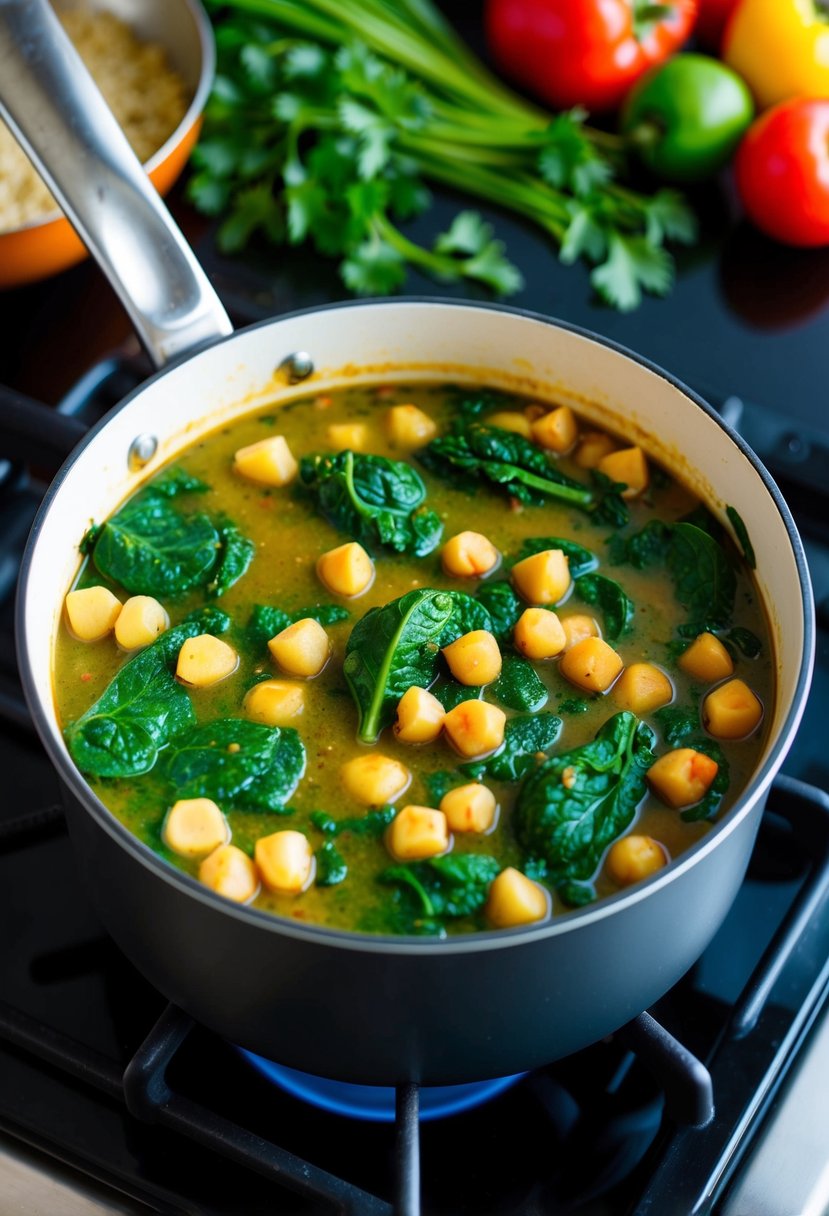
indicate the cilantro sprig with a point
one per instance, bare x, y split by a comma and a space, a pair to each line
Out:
329, 117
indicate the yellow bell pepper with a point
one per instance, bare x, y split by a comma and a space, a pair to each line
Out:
780, 48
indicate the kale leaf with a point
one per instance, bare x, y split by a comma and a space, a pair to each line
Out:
569, 823
392, 648
141, 708
455, 885
525, 736
235, 761
375, 500
266, 621
617, 608
518, 686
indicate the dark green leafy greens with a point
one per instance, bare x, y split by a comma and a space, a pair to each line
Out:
376, 501
331, 865
472, 452
397, 646
236, 552
617, 608
450, 693
236, 762
266, 621
391, 649
504, 608
518, 686
326, 121
142, 708
373, 823
572, 807
151, 547
704, 579
526, 736
580, 560
681, 727
455, 885
741, 532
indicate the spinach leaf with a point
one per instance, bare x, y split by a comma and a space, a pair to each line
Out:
392, 648
617, 608
141, 708
267, 621
468, 614
676, 723
581, 560
174, 482
518, 685
524, 737
504, 608
741, 532
641, 549
455, 885
504, 458
704, 581
373, 823
573, 705
570, 824
469, 403
746, 642
374, 500
151, 548
703, 578
331, 866
440, 783
235, 761
236, 552
450, 693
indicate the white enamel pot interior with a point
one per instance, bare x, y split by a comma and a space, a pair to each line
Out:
408, 341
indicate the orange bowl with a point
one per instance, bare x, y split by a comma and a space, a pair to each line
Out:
48, 245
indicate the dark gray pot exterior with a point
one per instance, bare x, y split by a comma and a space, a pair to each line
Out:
374, 1014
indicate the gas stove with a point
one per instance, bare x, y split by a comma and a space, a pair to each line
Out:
113, 1101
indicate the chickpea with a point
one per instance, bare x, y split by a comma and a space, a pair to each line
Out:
635, 857
475, 658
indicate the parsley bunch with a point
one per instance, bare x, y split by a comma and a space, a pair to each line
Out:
328, 117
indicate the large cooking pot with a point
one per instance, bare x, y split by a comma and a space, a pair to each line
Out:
359, 1008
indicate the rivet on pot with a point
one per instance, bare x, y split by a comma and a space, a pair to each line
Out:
141, 451
295, 367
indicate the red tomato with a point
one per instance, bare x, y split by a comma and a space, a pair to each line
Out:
583, 52
711, 21
782, 172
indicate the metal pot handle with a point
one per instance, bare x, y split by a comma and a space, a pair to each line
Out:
58, 115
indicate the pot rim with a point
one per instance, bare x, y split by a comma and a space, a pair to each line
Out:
487, 940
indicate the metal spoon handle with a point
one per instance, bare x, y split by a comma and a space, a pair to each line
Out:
58, 115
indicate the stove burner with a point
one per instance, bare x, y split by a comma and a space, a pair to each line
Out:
375, 1103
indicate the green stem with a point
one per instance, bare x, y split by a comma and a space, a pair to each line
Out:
434, 263
536, 200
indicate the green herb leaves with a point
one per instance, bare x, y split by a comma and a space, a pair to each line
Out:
374, 500
332, 141
576, 803
142, 708
456, 885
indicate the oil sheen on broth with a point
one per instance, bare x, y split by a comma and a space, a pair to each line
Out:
289, 533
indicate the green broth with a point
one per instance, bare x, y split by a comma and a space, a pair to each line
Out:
289, 536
